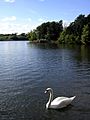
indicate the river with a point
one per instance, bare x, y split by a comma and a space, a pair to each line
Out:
26, 70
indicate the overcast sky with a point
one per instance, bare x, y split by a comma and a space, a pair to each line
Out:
21, 16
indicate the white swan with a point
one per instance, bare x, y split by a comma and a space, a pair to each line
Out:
58, 102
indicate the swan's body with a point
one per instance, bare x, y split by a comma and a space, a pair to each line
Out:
58, 102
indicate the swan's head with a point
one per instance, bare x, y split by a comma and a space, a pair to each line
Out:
48, 90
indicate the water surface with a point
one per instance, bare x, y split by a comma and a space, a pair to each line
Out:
26, 70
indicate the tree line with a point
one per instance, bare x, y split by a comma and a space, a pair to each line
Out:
13, 37
78, 32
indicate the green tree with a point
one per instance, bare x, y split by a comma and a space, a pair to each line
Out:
49, 30
32, 36
85, 35
62, 36
76, 32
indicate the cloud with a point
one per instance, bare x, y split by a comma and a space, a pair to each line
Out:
8, 27
12, 18
10, 1
66, 23
43, 19
40, 20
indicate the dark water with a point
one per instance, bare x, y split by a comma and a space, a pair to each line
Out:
26, 70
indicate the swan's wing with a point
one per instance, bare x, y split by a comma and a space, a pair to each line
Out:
60, 102
58, 99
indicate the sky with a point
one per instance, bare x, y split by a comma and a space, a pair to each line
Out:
22, 16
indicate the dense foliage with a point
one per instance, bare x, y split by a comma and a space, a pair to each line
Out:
7, 37
46, 32
78, 32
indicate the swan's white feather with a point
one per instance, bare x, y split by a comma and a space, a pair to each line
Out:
58, 99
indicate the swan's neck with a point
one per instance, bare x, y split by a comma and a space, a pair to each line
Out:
50, 99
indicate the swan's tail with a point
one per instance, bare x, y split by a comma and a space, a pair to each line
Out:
72, 98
